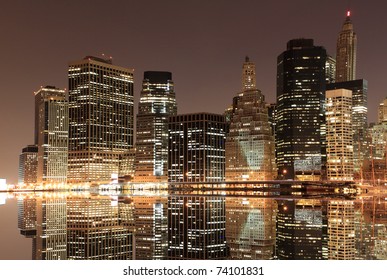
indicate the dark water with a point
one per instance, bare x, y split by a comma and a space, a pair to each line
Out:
193, 225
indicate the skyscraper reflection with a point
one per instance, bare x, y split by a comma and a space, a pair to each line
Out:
197, 227
94, 230
251, 227
150, 216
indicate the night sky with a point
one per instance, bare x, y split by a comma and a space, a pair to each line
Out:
203, 43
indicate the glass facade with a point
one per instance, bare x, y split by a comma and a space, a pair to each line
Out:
157, 103
100, 118
300, 114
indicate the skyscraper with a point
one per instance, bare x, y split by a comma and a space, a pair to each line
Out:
157, 103
339, 135
28, 165
51, 130
250, 144
300, 125
359, 120
100, 118
196, 148
346, 52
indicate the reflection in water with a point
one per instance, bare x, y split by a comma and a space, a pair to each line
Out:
300, 230
202, 226
250, 227
197, 227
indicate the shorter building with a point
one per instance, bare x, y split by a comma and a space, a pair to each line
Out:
28, 165
196, 148
339, 135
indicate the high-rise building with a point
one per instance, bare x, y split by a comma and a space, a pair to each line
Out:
196, 148
339, 135
100, 118
28, 165
346, 52
157, 103
51, 111
300, 116
359, 120
250, 151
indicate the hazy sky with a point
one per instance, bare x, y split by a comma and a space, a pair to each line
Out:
203, 44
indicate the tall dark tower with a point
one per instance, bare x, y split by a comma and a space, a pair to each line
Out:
157, 103
346, 52
300, 121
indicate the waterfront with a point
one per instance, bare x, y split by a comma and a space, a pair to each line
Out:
186, 223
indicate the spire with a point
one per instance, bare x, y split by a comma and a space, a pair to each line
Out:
346, 51
248, 75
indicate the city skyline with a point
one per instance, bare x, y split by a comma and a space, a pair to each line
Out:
203, 51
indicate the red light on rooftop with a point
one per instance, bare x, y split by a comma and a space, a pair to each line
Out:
348, 13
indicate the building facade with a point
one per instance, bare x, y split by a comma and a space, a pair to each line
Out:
157, 103
250, 151
339, 135
300, 125
100, 118
197, 148
51, 128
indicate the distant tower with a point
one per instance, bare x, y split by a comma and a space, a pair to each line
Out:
346, 52
157, 103
339, 135
250, 142
51, 110
100, 118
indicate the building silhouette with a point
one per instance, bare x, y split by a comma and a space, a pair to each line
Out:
300, 116
157, 103
250, 151
100, 118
